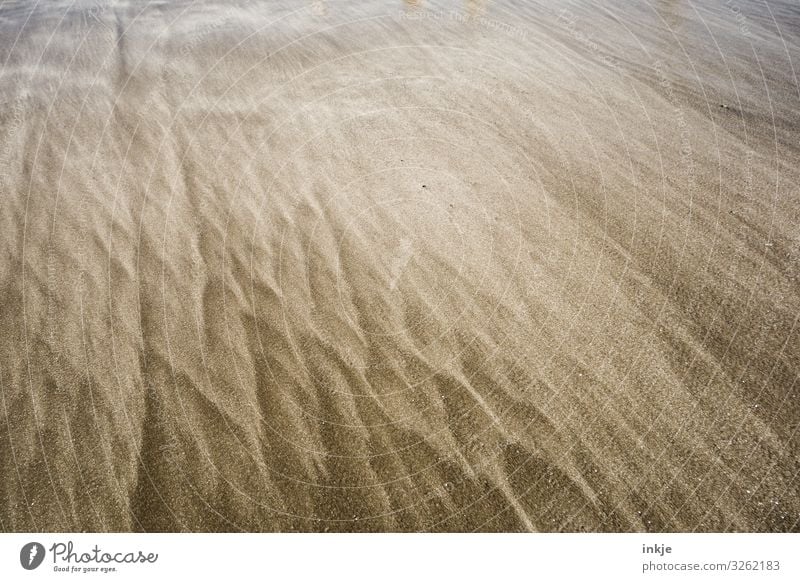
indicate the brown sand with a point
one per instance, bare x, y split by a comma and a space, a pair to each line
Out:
471, 266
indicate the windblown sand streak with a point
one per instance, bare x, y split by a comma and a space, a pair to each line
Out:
482, 266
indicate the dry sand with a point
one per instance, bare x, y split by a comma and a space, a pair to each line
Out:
399, 266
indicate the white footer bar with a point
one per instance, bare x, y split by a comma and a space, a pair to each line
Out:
379, 557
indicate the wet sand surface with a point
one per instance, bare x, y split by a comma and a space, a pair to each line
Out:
495, 266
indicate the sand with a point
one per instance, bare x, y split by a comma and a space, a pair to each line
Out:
386, 266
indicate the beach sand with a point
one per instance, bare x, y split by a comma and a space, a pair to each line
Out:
399, 266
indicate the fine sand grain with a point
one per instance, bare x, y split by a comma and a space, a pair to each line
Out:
386, 266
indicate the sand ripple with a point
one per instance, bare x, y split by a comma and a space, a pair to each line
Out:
406, 266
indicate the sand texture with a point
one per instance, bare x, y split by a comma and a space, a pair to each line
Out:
399, 266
